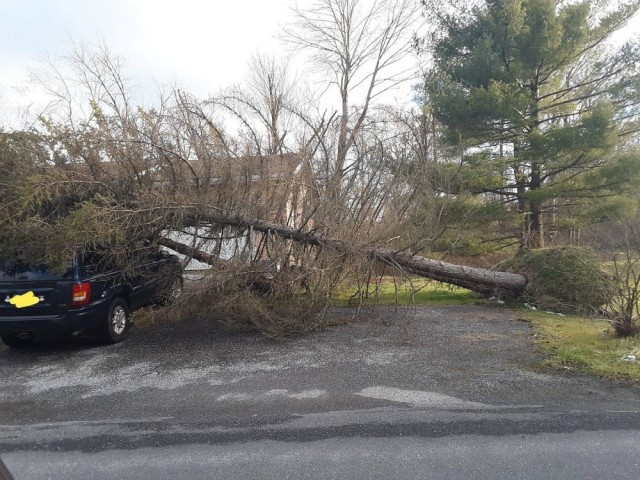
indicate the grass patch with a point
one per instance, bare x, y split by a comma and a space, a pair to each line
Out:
413, 291
586, 345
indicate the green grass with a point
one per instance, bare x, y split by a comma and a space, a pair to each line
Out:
416, 291
585, 345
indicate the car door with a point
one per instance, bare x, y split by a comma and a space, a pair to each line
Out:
145, 280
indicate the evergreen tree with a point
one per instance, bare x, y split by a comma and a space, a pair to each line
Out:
539, 100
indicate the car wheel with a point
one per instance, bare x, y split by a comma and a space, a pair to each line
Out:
172, 293
18, 340
117, 323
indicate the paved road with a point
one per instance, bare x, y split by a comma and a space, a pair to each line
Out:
445, 392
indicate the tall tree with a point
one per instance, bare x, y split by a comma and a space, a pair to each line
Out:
361, 46
535, 87
263, 105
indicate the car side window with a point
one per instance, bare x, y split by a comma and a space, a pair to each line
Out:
96, 263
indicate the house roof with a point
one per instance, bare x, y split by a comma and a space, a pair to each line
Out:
255, 167
215, 170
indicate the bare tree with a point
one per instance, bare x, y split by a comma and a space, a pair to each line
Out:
362, 47
262, 106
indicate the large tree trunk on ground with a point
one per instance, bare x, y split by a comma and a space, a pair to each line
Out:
484, 281
481, 280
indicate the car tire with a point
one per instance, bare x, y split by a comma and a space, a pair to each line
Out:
172, 292
117, 323
14, 340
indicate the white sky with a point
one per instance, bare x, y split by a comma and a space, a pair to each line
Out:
201, 45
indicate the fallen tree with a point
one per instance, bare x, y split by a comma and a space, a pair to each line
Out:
483, 281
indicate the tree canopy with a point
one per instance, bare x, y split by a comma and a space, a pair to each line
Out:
539, 101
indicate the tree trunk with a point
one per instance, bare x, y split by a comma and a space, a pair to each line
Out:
536, 231
481, 280
534, 227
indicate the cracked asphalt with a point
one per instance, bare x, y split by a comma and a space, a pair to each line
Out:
422, 382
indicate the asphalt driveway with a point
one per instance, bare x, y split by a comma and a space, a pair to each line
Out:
411, 372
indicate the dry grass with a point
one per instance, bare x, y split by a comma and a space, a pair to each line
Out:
229, 301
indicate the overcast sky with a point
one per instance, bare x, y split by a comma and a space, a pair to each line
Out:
202, 45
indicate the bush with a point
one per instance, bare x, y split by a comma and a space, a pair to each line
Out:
624, 306
566, 279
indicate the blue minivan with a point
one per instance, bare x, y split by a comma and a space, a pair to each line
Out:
92, 295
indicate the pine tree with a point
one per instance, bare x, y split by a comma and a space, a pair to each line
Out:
533, 90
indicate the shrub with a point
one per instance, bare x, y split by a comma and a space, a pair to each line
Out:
624, 307
565, 279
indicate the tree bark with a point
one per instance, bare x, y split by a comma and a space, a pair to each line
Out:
192, 252
481, 280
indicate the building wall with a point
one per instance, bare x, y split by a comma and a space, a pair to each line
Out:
232, 246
